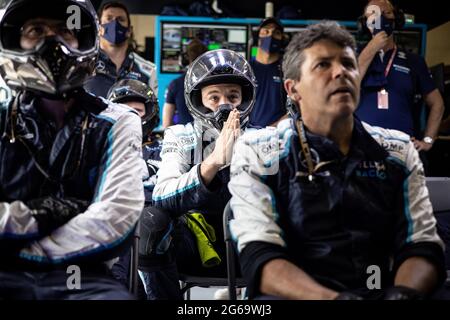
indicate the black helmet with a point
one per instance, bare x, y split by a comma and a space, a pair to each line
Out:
215, 67
53, 67
133, 90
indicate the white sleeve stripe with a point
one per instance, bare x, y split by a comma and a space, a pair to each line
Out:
177, 192
102, 247
107, 165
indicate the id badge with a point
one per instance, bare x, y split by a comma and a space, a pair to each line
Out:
383, 99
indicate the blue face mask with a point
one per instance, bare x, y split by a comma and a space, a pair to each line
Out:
386, 25
270, 44
115, 32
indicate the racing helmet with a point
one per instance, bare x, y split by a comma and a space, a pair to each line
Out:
51, 68
126, 90
216, 67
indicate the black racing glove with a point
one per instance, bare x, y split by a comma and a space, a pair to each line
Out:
51, 212
347, 295
402, 293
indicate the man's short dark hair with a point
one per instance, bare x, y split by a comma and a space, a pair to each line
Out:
327, 30
194, 49
114, 4
270, 20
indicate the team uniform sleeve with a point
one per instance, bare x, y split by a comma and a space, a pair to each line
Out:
111, 217
179, 185
254, 227
416, 225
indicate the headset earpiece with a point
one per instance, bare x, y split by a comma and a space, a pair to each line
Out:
292, 107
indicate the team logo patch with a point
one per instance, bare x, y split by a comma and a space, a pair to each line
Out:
168, 150
187, 141
100, 66
146, 67
133, 75
401, 55
392, 145
314, 157
401, 69
371, 169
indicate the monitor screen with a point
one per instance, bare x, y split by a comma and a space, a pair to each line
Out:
289, 30
438, 74
176, 37
408, 39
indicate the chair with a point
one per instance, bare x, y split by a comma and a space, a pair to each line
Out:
231, 254
134, 260
188, 282
439, 190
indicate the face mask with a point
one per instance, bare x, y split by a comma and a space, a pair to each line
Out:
115, 32
53, 52
386, 25
221, 115
270, 44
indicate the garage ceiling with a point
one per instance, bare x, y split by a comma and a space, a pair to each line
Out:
432, 13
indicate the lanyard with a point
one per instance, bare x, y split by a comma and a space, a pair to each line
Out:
311, 166
305, 148
391, 60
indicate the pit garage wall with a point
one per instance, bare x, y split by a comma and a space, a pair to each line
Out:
438, 45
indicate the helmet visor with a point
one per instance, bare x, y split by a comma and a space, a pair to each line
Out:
219, 67
65, 18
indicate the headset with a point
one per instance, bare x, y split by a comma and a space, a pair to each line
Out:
183, 60
399, 21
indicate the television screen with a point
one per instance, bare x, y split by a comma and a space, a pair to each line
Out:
438, 74
408, 39
288, 29
176, 37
